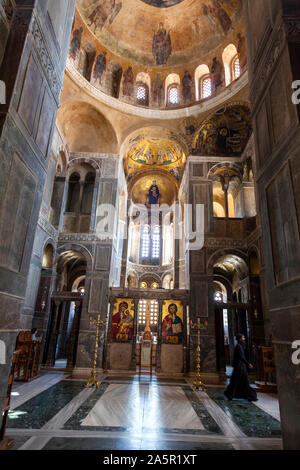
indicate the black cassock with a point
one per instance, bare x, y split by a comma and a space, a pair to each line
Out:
239, 386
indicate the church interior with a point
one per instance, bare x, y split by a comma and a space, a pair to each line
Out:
149, 214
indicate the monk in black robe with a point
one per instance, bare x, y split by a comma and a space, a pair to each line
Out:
239, 386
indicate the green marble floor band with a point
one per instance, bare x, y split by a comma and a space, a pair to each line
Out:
253, 421
35, 413
207, 420
62, 443
75, 421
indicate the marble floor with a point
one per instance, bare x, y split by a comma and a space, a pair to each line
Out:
137, 413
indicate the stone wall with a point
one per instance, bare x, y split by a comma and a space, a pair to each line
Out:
273, 42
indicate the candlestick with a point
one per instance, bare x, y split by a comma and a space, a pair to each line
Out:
92, 380
198, 384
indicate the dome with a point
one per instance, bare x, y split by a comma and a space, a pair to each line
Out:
161, 32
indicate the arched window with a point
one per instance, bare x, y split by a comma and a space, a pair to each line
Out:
172, 87
142, 94
229, 55
173, 95
205, 86
143, 86
202, 74
236, 68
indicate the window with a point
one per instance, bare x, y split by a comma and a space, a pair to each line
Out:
145, 242
142, 94
150, 245
236, 68
150, 307
206, 87
173, 95
218, 297
156, 243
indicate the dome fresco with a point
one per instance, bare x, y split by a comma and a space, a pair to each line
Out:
179, 30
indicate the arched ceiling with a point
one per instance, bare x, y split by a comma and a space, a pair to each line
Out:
86, 129
230, 264
154, 150
161, 32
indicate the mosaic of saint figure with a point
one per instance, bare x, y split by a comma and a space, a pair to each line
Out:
187, 87
100, 67
162, 45
75, 43
128, 82
172, 327
154, 194
122, 324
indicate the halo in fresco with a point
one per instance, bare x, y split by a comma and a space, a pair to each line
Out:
162, 3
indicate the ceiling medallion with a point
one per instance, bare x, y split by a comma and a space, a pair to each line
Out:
162, 3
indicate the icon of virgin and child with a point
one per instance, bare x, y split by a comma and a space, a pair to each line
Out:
122, 324
172, 327
153, 194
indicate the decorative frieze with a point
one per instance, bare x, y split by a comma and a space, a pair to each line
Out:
46, 62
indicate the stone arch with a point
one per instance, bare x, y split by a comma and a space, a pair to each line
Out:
223, 252
76, 247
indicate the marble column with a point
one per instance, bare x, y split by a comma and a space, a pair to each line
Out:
159, 337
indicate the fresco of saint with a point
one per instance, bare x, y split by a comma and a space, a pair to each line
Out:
75, 43
100, 67
162, 45
106, 9
216, 74
158, 90
122, 324
172, 326
187, 87
128, 82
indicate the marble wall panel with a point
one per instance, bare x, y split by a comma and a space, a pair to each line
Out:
171, 358
30, 95
16, 213
120, 356
45, 124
